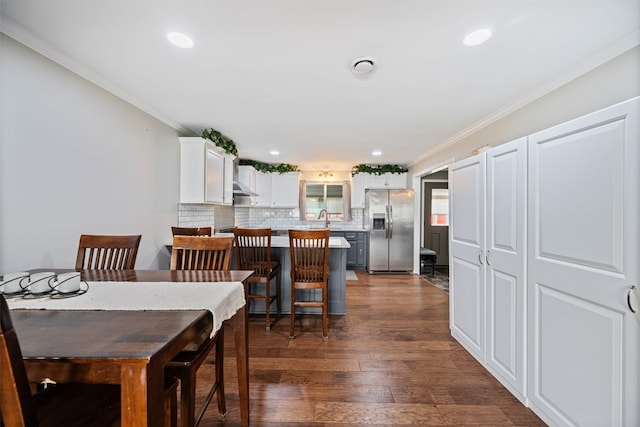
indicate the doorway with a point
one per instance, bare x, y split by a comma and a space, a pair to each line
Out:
435, 226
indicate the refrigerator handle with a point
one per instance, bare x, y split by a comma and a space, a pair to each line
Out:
386, 222
390, 221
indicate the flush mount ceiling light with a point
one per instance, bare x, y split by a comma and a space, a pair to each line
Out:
376, 153
180, 40
274, 152
363, 65
477, 37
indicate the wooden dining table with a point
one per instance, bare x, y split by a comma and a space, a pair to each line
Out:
129, 348
139, 391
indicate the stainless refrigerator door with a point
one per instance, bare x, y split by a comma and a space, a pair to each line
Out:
401, 230
376, 211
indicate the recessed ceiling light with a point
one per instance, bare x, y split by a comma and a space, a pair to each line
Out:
363, 65
274, 152
376, 153
477, 37
180, 40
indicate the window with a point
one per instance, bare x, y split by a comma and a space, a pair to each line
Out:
330, 196
439, 207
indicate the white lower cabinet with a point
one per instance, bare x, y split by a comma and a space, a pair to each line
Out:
544, 241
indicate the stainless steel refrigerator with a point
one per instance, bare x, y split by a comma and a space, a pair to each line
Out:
388, 214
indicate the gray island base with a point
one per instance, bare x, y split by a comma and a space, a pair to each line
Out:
338, 247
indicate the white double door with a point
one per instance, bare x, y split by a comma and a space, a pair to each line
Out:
487, 267
583, 336
544, 288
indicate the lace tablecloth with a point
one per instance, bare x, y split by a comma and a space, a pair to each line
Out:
222, 299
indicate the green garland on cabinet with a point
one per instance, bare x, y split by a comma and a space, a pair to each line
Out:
221, 141
377, 169
268, 167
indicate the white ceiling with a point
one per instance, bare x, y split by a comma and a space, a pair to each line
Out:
275, 74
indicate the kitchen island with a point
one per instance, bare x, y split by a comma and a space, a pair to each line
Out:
338, 247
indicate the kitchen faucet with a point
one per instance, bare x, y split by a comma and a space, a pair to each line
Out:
326, 217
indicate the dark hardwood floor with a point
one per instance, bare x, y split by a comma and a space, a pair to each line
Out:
390, 361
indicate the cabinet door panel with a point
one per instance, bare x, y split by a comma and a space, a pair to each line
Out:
466, 266
357, 190
506, 260
214, 188
466, 292
375, 181
397, 181
284, 190
583, 259
263, 190
228, 180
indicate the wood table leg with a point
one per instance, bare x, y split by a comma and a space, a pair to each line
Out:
141, 395
241, 333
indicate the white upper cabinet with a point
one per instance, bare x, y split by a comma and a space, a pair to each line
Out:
214, 170
263, 190
395, 181
285, 190
206, 172
273, 190
391, 181
358, 182
362, 181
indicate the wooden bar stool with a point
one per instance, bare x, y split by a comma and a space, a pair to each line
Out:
253, 252
191, 231
309, 251
427, 256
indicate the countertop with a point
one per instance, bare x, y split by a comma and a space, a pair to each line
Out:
332, 229
283, 241
334, 242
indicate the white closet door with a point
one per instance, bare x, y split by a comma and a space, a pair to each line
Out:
466, 243
505, 264
583, 260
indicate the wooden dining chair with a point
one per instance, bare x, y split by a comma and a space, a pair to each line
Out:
191, 231
253, 252
200, 253
107, 252
309, 251
66, 405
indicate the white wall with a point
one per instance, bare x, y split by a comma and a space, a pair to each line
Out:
75, 159
608, 84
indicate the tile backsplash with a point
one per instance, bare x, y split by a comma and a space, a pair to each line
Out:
196, 215
217, 216
283, 219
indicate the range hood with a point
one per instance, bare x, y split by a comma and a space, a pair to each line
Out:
240, 189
